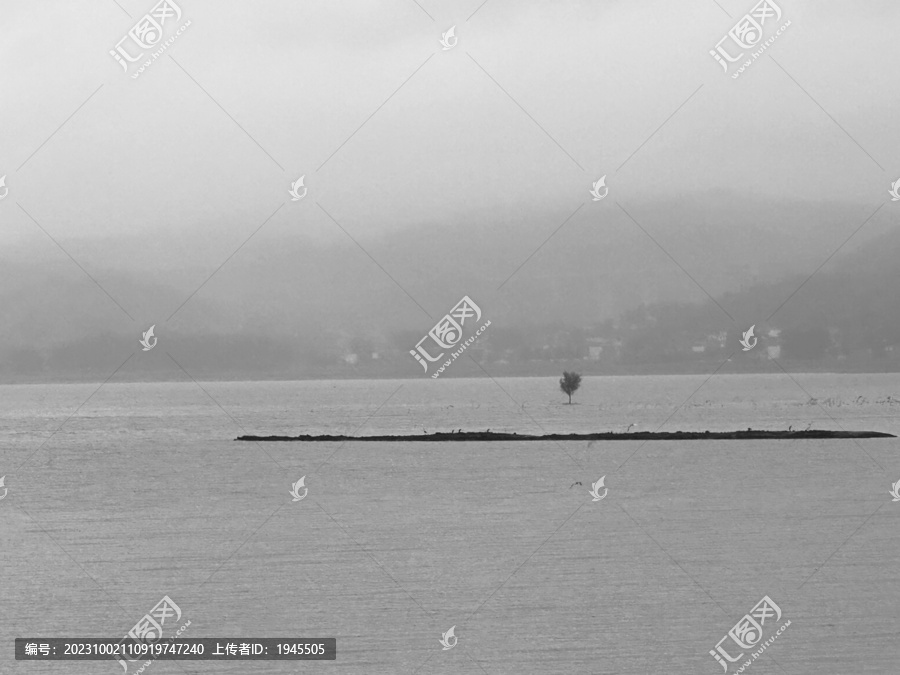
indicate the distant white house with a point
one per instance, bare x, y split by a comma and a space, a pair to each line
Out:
595, 348
774, 351
718, 338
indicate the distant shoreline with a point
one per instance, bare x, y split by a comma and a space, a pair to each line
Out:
357, 377
462, 436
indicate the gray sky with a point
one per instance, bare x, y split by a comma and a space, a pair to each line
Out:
156, 155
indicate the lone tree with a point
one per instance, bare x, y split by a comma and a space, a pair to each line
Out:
569, 383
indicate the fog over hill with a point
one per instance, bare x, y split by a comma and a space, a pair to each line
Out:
259, 313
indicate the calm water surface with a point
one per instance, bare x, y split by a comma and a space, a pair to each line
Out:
123, 494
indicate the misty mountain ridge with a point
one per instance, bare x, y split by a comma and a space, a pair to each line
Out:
594, 268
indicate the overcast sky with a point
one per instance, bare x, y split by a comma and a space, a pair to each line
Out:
598, 78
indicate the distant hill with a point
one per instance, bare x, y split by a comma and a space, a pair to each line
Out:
845, 315
293, 305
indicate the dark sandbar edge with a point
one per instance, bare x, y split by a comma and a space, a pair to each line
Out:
749, 434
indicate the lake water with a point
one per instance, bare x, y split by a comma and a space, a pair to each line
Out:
142, 492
